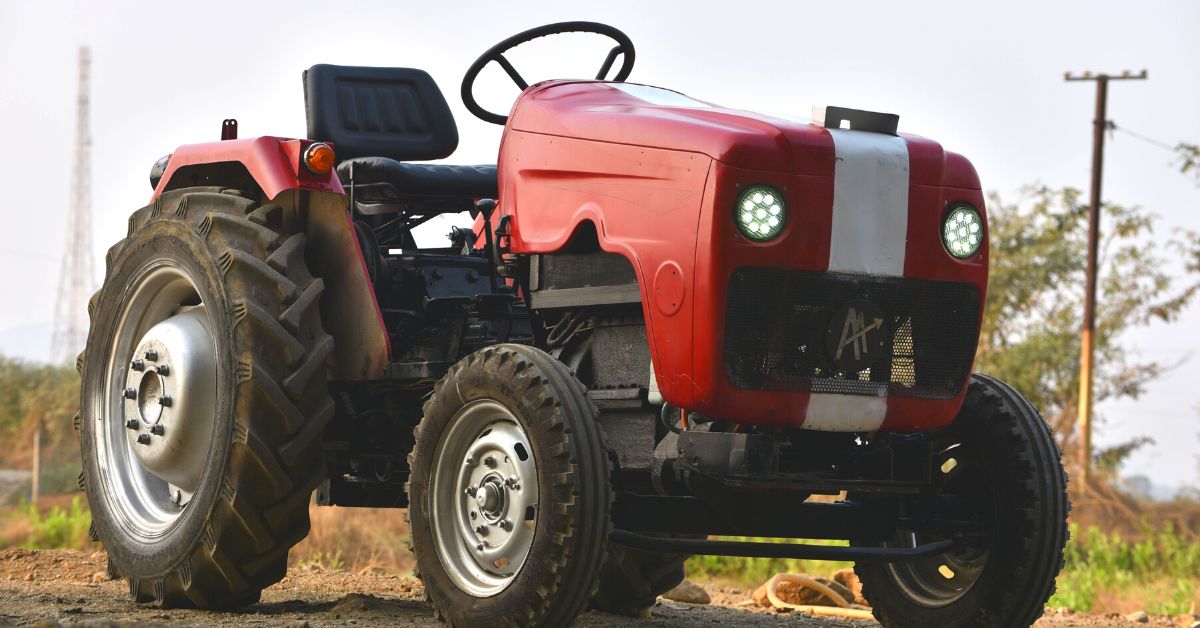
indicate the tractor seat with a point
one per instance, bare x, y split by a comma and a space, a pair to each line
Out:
380, 182
378, 120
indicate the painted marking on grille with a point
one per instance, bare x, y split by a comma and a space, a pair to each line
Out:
870, 203
844, 413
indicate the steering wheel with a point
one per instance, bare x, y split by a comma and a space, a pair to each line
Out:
624, 47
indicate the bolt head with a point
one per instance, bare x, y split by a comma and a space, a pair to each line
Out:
512, 482
163, 370
470, 491
157, 429
143, 439
132, 424
165, 401
138, 365
490, 461
479, 547
470, 462
131, 393
506, 525
481, 529
152, 355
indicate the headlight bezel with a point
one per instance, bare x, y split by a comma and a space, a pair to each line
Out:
950, 241
758, 228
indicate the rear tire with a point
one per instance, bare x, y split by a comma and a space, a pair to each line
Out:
520, 413
1011, 468
632, 579
249, 416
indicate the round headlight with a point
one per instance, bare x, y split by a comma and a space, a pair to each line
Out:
760, 212
962, 231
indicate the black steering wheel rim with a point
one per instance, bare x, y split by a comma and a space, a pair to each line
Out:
624, 47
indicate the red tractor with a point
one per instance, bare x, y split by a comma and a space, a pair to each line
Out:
671, 321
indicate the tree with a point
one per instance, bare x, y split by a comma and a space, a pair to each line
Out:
1034, 307
1189, 159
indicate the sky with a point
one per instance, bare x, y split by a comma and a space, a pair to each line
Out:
985, 80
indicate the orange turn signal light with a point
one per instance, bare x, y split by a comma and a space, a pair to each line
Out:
318, 158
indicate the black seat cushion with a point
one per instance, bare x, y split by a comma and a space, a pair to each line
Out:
394, 112
383, 180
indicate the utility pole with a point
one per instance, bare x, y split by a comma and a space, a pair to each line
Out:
1086, 350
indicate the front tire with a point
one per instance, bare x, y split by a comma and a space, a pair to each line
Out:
203, 399
510, 491
1001, 462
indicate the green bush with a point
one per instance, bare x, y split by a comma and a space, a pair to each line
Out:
59, 527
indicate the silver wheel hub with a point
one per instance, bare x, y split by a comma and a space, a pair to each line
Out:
169, 394
484, 498
156, 409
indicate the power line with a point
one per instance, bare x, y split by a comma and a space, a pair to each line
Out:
1149, 140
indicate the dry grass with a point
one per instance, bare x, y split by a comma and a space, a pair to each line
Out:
357, 539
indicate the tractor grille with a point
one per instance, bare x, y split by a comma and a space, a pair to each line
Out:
777, 329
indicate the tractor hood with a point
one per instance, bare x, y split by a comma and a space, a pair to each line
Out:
642, 115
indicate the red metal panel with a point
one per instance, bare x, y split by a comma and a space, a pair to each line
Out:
274, 162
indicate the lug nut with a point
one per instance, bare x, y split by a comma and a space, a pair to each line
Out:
138, 365
151, 355
470, 491
131, 393
470, 462
490, 461
163, 369
157, 429
481, 529
143, 439
132, 424
165, 401
506, 525
479, 547
512, 482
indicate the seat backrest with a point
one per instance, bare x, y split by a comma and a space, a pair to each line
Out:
386, 112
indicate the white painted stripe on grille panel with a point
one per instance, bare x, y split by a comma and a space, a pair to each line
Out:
844, 413
870, 203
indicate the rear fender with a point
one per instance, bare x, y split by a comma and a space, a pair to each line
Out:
349, 309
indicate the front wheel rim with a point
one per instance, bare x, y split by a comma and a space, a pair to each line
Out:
484, 498
155, 408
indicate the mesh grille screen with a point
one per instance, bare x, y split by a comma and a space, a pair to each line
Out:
777, 321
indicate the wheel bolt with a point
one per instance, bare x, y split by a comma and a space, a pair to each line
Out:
138, 365
479, 547
506, 525
163, 369
470, 462
165, 401
512, 482
143, 439
490, 461
151, 355
157, 429
131, 393
470, 491
132, 424
481, 529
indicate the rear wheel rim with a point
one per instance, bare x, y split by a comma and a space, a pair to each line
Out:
484, 498
155, 408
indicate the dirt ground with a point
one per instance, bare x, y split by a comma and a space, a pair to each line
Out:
68, 588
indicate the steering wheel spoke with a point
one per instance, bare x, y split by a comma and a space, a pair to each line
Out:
512, 72
623, 49
608, 62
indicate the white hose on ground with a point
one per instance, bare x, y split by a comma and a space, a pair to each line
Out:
841, 610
